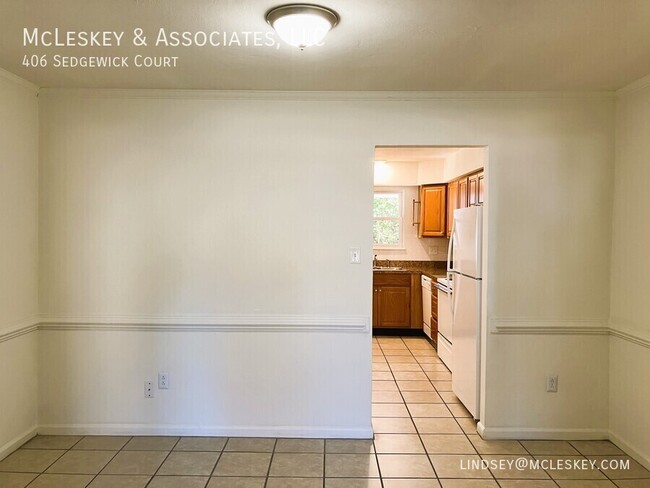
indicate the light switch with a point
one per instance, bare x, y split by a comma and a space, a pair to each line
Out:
355, 255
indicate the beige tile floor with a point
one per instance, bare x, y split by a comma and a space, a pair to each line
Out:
422, 434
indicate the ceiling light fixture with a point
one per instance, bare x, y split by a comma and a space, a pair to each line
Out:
302, 25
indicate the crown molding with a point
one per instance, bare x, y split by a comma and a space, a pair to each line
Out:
634, 87
17, 80
328, 96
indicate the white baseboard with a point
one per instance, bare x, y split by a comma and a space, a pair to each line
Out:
495, 433
217, 431
16, 442
632, 451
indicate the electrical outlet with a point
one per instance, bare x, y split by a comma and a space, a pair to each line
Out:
433, 250
148, 389
163, 381
551, 383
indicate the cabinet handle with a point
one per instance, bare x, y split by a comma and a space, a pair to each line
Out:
413, 219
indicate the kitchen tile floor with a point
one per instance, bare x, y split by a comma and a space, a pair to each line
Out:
424, 438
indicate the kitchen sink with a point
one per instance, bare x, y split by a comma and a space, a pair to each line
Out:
387, 268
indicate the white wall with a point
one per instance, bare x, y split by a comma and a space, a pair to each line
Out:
414, 248
232, 383
520, 365
19, 387
630, 283
18, 259
400, 173
157, 207
221, 213
431, 171
465, 160
550, 197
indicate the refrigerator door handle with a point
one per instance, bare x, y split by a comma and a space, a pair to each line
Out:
450, 255
454, 300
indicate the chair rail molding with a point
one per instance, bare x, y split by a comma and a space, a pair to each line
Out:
209, 323
569, 326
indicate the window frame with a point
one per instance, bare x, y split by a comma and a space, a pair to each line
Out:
399, 220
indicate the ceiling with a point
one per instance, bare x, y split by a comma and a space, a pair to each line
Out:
378, 45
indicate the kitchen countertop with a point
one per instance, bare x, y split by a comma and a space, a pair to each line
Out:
410, 271
432, 269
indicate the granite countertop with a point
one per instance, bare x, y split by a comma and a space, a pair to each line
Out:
432, 269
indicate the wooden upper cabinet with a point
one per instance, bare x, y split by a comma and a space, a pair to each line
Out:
452, 204
433, 210
472, 190
476, 188
463, 193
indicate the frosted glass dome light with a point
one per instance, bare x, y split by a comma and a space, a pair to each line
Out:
302, 25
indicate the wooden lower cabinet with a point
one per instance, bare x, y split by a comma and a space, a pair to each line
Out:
396, 300
394, 304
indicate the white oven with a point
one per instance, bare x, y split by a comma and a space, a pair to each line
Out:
445, 335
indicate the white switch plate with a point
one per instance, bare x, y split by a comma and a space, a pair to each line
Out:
148, 389
355, 255
163, 381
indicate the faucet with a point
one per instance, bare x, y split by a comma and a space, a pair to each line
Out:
374, 261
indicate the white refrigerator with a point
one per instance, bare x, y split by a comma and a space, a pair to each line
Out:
464, 269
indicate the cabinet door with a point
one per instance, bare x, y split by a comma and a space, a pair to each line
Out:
463, 193
434, 316
375, 306
394, 306
472, 184
452, 204
481, 188
434, 307
433, 213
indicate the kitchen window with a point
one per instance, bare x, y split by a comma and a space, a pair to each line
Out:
388, 222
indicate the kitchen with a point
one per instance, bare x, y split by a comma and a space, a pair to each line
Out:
427, 234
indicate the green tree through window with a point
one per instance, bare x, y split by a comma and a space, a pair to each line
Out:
387, 223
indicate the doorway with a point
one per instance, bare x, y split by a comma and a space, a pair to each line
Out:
424, 201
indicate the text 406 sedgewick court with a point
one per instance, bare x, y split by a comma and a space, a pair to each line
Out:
137, 61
